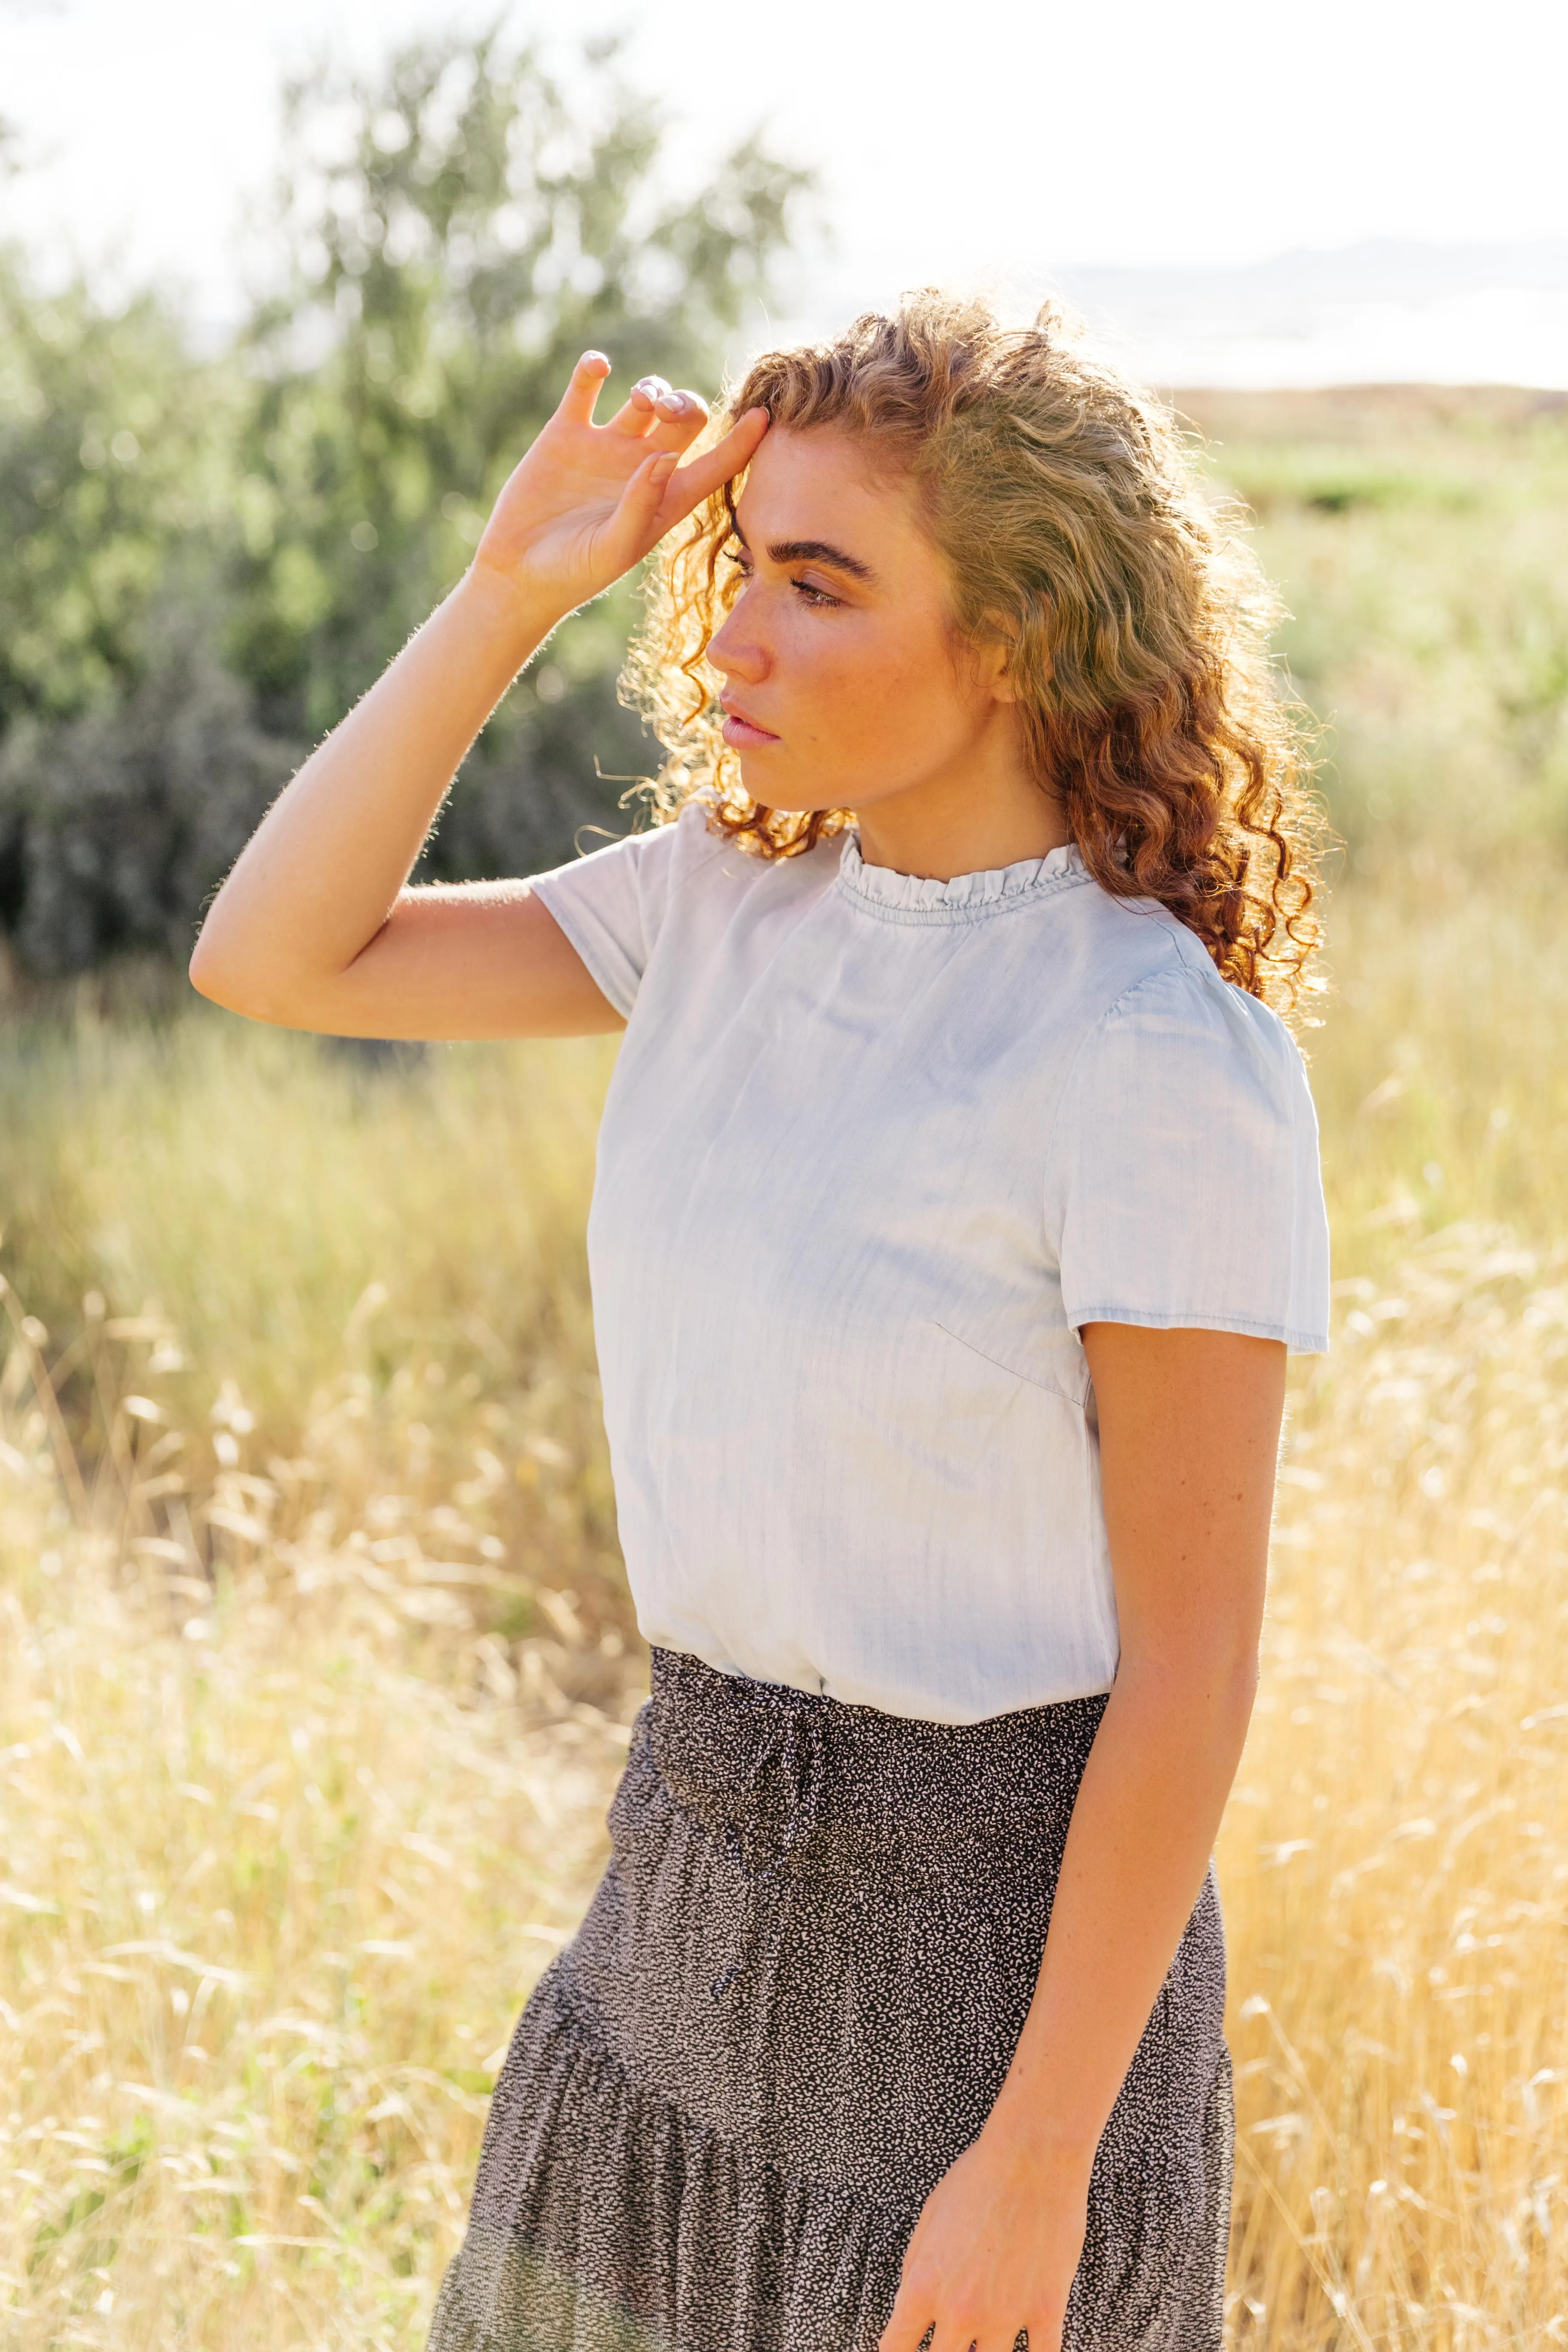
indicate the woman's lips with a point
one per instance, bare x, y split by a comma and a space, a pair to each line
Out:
742, 733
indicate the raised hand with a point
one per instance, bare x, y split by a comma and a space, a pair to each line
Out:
590, 500
315, 927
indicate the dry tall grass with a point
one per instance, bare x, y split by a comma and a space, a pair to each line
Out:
1394, 1862
305, 1752
317, 1660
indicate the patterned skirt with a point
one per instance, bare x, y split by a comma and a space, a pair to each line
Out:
788, 2012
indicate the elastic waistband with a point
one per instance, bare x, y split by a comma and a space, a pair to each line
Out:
792, 1776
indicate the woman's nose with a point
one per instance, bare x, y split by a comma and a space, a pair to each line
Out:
734, 651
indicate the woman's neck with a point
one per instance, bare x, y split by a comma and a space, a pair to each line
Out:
969, 823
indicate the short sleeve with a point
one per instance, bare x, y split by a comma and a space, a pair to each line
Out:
1184, 1180
612, 903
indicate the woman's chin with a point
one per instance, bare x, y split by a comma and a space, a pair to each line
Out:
761, 777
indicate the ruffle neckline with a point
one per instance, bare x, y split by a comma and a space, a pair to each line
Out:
965, 896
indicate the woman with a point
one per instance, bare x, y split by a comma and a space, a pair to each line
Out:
957, 1203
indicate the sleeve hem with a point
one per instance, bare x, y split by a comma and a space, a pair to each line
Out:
606, 966
1299, 1342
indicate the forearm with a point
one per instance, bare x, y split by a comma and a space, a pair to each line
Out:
1139, 1845
322, 872
1189, 1425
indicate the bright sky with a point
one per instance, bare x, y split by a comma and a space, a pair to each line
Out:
985, 143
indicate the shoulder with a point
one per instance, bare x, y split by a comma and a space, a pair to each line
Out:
1184, 1183
671, 849
636, 878
615, 901
680, 892
692, 850
1177, 1057
1157, 982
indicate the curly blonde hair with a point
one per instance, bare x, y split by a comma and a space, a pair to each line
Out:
1073, 527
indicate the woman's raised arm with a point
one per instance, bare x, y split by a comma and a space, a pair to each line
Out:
315, 927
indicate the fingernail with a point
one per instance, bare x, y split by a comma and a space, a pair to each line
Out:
601, 357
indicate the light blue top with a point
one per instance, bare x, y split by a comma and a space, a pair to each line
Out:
874, 1151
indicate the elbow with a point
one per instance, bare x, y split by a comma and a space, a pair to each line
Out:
1240, 1687
1213, 1679
223, 981
1226, 1673
211, 976
204, 971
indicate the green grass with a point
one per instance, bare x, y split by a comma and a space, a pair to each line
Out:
1418, 541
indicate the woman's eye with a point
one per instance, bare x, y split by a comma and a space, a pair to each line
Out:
813, 595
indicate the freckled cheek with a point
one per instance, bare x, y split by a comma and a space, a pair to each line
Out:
848, 692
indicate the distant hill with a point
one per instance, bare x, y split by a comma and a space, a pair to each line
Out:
1382, 270
1369, 413
1384, 312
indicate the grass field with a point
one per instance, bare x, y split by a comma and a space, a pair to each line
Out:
318, 1661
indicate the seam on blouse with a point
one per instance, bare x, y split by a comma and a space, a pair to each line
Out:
721, 843
1045, 1388
699, 868
718, 845
1172, 958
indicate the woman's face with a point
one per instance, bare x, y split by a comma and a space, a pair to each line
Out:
843, 682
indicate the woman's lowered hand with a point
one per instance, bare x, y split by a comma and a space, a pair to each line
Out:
590, 500
995, 2247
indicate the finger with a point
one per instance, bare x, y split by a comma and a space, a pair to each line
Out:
721, 463
678, 421
959, 2336
636, 414
637, 522
905, 2331
582, 387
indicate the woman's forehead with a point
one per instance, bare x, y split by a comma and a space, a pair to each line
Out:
823, 483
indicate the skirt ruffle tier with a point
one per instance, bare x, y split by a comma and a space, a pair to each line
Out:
788, 2010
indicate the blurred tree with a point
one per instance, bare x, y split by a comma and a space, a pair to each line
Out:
114, 478
112, 456
117, 822
458, 232
208, 558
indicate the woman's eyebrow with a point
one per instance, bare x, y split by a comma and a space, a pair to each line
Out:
810, 550
818, 551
